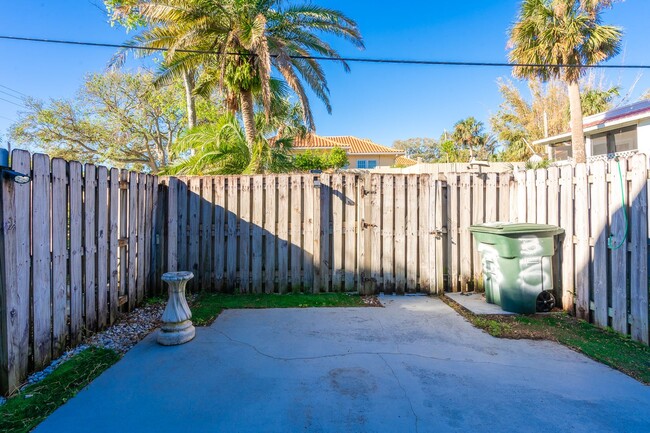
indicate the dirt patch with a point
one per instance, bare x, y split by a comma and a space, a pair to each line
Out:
602, 345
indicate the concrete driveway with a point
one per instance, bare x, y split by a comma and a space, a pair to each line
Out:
414, 366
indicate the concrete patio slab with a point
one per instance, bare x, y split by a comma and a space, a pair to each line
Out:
476, 303
413, 366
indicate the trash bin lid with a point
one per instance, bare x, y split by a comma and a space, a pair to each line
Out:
508, 228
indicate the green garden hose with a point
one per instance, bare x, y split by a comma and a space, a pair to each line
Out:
611, 236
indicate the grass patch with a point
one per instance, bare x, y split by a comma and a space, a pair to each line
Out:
602, 345
208, 306
22, 413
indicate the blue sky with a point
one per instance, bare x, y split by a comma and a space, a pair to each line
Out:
380, 102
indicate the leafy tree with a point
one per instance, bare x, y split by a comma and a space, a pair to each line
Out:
313, 160
470, 136
337, 158
425, 148
221, 148
116, 118
563, 32
256, 35
521, 121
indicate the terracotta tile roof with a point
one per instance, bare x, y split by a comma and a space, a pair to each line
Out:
363, 146
313, 141
403, 161
353, 145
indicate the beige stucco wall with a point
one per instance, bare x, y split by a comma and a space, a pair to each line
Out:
382, 160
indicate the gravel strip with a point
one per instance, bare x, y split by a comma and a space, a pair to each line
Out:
125, 333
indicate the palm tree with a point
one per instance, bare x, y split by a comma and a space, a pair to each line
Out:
470, 135
563, 32
250, 37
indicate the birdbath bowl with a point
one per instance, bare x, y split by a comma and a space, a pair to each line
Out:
177, 327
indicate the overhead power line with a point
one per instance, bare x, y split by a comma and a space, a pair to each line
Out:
11, 95
14, 90
324, 58
12, 102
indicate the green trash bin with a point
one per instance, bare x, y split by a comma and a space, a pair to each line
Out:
517, 261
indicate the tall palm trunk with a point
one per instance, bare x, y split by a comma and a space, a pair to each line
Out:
248, 115
577, 132
188, 82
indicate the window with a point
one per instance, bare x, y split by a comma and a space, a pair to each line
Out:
561, 153
615, 141
367, 164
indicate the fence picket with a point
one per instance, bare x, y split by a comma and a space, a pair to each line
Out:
41, 281
113, 244
245, 234
400, 234
308, 233
465, 238
220, 220
256, 234
270, 234
207, 226
338, 253
599, 232
478, 216
296, 233
193, 239
283, 234
619, 240
232, 215
59, 256
567, 223
541, 201
388, 237
89, 247
452, 227
640, 329
412, 233
505, 202
102, 247
582, 248
76, 292
424, 253
325, 232
491, 194
350, 231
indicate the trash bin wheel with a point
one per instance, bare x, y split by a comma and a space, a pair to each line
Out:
545, 302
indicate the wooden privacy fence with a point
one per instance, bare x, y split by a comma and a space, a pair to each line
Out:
80, 242
602, 266
75, 247
341, 232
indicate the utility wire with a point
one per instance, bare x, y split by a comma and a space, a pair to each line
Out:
14, 90
345, 59
11, 95
5, 117
12, 102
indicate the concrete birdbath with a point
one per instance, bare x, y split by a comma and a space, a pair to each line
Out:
177, 327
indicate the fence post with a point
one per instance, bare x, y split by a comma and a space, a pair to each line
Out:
14, 286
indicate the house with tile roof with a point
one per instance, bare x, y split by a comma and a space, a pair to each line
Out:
619, 132
362, 153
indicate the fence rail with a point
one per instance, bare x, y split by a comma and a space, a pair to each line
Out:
75, 248
80, 243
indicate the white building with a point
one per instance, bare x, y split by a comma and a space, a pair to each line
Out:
619, 132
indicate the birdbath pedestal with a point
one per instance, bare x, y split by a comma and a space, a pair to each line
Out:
177, 327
